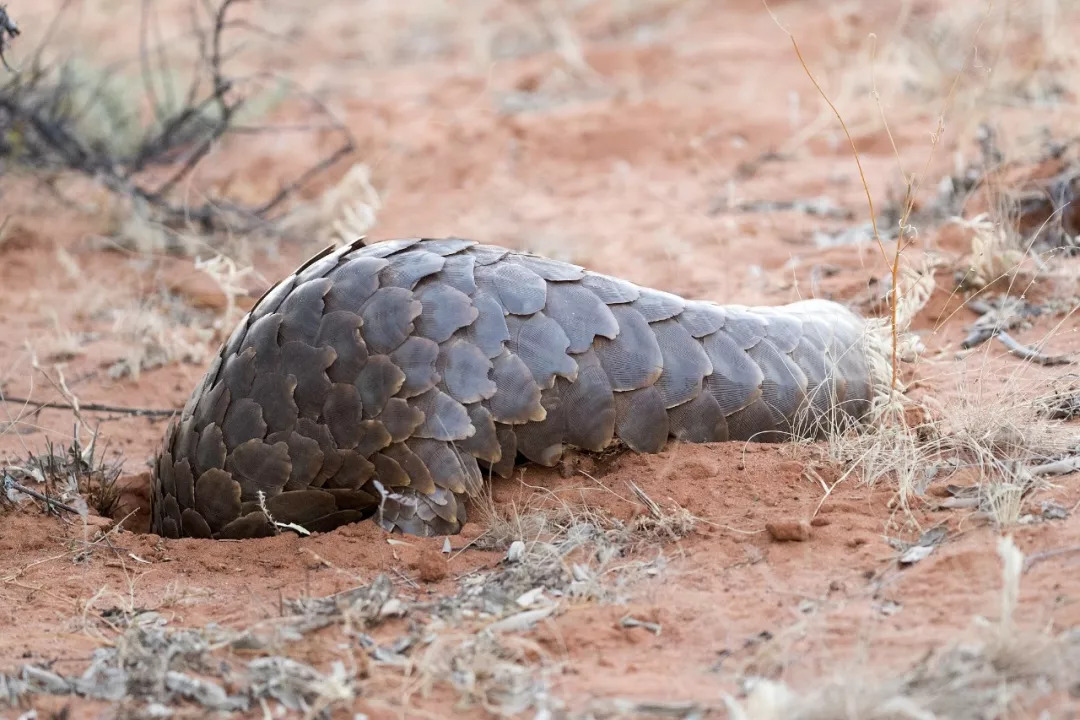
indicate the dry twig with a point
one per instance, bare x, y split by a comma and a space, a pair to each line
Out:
10, 484
995, 321
90, 407
8, 31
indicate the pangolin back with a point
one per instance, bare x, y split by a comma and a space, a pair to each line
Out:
385, 380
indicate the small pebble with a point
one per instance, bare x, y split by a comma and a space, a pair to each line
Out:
789, 530
515, 552
431, 564
392, 608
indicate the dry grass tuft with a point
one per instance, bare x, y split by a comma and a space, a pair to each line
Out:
997, 442
75, 475
504, 674
1020, 225
345, 212
999, 438
997, 252
152, 335
659, 524
561, 552
1004, 669
550, 554
1063, 402
227, 274
149, 665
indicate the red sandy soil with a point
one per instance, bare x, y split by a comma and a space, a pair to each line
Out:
675, 107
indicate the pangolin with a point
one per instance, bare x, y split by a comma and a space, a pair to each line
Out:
385, 380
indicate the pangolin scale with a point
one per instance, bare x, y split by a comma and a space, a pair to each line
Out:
386, 380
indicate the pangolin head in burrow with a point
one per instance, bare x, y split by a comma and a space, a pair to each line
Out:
385, 380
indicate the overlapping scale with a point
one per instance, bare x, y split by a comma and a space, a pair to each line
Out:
386, 380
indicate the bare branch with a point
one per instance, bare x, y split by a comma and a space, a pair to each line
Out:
995, 320
8, 30
90, 407
11, 484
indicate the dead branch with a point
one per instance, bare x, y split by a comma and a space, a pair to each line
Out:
1062, 404
1030, 354
90, 407
8, 31
40, 108
1064, 466
996, 319
10, 484
1038, 557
